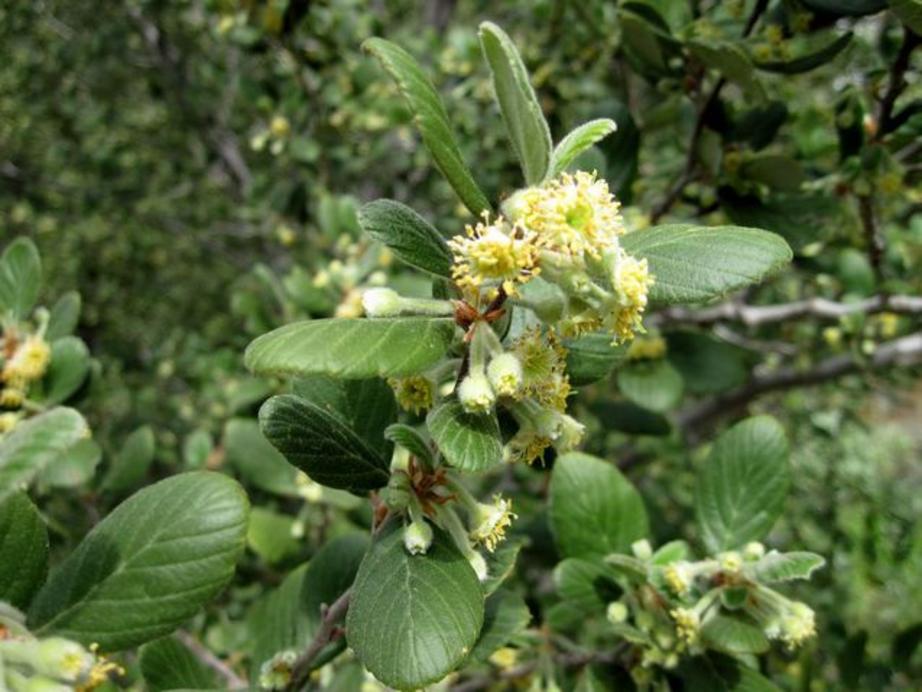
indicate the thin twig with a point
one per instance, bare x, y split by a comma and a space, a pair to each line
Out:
326, 633
905, 351
233, 681
757, 315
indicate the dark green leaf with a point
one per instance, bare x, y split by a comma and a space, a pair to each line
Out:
808, 62
411, 440
321, 445
23, 550
331, 572
409, 235
468, 441
431, 120
846, 8
741, 489
505, 616
909, 12
528, 130
694, 263
149, 565
707, 365
586, 586
413, 618
352, 349
131, 464
594, 509
655, 385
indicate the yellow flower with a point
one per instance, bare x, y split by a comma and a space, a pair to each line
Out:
647, 348
798, 624
494, 253
492, 521
678, 578
527, 446
8, 421
544, 363
280, 127
11, 397
504, 658
687, 624
29, 362
571, 214
505, 374
415, 393
632, 281
730, 561
889, 324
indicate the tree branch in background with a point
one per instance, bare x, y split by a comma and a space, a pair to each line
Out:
233, 681
896, 82
905, 351
756, 315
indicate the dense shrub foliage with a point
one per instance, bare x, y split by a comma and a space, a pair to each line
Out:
452, 345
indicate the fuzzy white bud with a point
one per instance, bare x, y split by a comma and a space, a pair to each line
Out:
505, 374
381, 302
417, 537
475, 393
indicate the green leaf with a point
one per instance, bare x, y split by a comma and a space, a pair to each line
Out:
909, 12
468, 441
730, 60
352, 349
411, 440
35, 443
278, 621
269, 535
366, 406
64, 316
408, 234
586, 586
256, 460
69, 366
196, 449
20, 278
148, 566
23, 550
167, 664
774, 170
133, 461
431, 120
808, 62
500, 564
594, 509
800, 218
75, 466
732, 635
630, 418
578, 141
717, 673
776, 566
321, 444
740, 491
592, 357
694, 263
413, 618
505, 616
655, 385
707, 365
528, 130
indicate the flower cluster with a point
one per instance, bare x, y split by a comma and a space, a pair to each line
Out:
24, 360
669, 603
27, 663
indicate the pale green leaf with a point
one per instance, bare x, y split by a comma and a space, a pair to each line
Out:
69, 366
655, 385
468, 441
352, 348
733, 635
35, 443
740, 492
528, 130
775, 566
64, 316
269, 535
413, 618
20, 278
148, 566
431, 120
695, 263
256, 460
578, 141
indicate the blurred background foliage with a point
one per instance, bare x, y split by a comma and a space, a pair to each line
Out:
193, 168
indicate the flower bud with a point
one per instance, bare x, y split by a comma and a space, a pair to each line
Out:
730, 561
642, 549
417, 537
381, 302
753, 550
616, 613
491, 521
63, 658
505, 374
275, 674
475, 393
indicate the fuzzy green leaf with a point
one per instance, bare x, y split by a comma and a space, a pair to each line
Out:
776, 566
578, 141
413, 618
20, 278
431, 120
149, 565
694, 263
409, 235
741, 489
352, 349
528, 130
468, 441
733, 635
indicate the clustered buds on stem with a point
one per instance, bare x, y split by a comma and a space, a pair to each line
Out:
24, 360
54, 663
